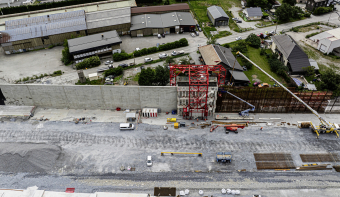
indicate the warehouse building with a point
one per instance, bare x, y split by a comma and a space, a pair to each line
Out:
98, 44
180, 7
217, 16
108, 20
153, 24
39, 32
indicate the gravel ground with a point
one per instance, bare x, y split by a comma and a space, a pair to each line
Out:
54, 155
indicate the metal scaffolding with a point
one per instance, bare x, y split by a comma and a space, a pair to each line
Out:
198, 85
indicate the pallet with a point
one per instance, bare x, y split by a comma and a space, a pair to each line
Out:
275, 165
327, 157
273, 157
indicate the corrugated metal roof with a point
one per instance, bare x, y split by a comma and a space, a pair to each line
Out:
44, 30
254, 11
239, 75
108, 17
39, 20
161, 20
93, 41
217, 12
161, 8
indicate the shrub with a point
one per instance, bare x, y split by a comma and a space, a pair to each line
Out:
88, 63
121, 56
115, 71
322, 10
295, 29
66, 55
226, 45
58, 72
312, 34
307, 14
262, 51
248, 65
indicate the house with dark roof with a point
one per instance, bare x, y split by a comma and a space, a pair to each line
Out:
290, 53
217, 16
218, 55
253, 13
313, 4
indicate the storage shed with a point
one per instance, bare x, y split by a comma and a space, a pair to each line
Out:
217, 16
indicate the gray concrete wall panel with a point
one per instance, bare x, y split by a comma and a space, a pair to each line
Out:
91, 97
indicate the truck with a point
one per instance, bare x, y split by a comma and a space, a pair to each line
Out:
223, 157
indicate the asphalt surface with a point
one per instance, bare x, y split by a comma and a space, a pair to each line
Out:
55, 155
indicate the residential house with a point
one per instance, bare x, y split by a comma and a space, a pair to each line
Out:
301, 1
253, 13
313, 4
218, 55
290, 53
327, 41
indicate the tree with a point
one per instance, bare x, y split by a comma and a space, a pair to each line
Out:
211, 40
284, 12
166, 2
290, 2
253, 40
240, 46
146, 77
162, 75
66, 55
257, 3
331, 80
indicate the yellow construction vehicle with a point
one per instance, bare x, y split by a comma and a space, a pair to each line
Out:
324, 127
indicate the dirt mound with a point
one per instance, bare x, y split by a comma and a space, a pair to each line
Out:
27, 157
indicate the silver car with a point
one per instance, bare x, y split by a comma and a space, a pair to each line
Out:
239, 38
148, 59
162, 55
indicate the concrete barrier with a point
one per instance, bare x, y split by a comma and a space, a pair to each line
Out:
91, 97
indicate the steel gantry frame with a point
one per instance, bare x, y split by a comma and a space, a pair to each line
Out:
198, 85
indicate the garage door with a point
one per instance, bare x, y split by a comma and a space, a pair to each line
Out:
323, 48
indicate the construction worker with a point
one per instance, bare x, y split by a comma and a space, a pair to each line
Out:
261, 128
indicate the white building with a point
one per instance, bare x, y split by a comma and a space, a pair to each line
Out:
327, 41
6, 1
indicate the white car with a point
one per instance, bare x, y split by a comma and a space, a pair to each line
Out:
192, 34
159, 36
239, 38
148, 59
162, 55
149, 161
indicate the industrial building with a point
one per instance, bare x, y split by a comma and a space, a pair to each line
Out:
108, 20
327, 41
161, 9
153, 24
217, 16
39, 32
97, 44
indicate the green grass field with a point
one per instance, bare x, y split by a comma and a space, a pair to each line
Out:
261, 60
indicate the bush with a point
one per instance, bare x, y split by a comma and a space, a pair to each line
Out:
114, 71
240, 46
262, 51
322, 10
295, 29
248, 65
58, 72
312, 34
121, 56
226, 45
307, 14
88, 63
66, 55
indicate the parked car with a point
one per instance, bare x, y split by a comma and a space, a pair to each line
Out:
159, 36
107, 62
192, 34
235, 19
174, 53
148, 59
123, 65
111, 66
199, 29
238, 21
157, 45
256, 83
149, 161
198, 25
163, 35
162, 55
197, 34
239, 38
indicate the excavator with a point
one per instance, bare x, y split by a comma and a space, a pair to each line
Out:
324, 126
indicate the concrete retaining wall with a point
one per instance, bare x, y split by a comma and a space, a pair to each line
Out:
91, 97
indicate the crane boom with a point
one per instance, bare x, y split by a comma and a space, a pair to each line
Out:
245, 112
305, 104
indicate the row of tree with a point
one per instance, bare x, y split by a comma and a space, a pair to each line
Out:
288, 12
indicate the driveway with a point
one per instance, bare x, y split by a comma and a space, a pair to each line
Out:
235, 11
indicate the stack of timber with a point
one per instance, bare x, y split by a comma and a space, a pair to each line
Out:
313, 167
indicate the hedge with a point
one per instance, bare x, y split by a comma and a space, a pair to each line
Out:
322, 10
171, 45
42, 6
312, 34
88, 63
122, 56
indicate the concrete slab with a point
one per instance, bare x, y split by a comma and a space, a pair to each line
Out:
17, 111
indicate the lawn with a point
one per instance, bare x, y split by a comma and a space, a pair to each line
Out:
222, 34
261, 60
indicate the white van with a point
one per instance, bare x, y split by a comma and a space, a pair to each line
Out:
126, 126
149, 161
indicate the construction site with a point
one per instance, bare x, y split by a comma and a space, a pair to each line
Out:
196, 137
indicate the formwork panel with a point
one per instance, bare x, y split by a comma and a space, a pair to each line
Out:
327, 157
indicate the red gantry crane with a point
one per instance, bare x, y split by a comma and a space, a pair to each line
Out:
198, 85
